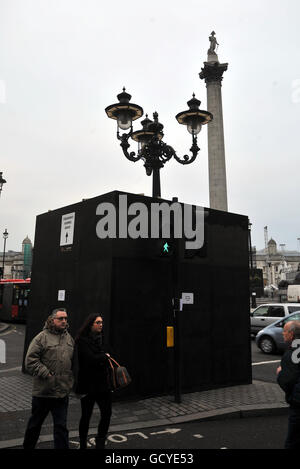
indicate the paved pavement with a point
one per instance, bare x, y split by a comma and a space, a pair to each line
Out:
237, 401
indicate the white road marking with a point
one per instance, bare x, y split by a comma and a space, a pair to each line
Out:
168, 430
198, 436
139, 434
117, 438
9, 331
266, 363
19, 368
75, 443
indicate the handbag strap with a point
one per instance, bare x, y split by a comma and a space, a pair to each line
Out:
111, 358
110, 363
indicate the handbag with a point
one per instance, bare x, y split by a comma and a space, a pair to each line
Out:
119, 375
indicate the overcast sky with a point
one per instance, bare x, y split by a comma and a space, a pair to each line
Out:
63, 61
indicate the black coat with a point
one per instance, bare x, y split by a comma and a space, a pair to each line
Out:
289, 379
91, 367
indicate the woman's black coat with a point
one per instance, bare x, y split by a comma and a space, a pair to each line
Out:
91, 367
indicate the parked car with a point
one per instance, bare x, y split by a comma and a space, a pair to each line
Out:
268, 313
270, 339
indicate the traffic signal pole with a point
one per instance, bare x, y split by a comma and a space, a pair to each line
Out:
177, 353
170, 247
177, 328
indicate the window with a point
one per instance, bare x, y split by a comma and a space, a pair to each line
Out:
261, 311
276, 312
16, 294
293, 309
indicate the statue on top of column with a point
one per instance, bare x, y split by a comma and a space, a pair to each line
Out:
213, 43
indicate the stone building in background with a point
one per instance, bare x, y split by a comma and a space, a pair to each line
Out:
17, 264
277, 265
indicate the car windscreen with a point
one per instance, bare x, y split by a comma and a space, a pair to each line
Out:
295, 317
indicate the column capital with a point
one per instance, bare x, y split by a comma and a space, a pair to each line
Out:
212, 71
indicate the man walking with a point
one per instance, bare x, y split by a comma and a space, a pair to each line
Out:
288, 378
49, 360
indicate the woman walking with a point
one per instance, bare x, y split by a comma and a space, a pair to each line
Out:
92, 379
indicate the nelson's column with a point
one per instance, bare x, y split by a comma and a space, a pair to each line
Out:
212, 73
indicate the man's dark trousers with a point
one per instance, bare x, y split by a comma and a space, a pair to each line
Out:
41, 406
293, 436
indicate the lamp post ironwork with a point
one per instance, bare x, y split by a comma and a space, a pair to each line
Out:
5, 236
2, 181
151, 148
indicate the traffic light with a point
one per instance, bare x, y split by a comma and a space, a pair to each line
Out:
166, 243
165, 247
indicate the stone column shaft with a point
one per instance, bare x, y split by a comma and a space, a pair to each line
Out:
212, 73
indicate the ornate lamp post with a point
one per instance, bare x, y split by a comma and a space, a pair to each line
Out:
151, 148
5, 236
2, 181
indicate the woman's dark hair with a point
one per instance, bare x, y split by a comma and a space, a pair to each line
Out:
87, 325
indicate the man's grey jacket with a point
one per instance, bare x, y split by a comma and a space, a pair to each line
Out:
49, 360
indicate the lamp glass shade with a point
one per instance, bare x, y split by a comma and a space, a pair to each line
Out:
194, 125
124, 120
141, 144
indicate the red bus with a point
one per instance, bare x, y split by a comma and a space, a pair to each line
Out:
14, 295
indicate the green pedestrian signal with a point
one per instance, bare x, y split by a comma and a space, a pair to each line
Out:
166, 247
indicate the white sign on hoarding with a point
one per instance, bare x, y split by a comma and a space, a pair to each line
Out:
67, 229
61, 295
187, 298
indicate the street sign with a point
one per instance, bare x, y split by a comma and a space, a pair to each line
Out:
187, 298
61, 295
67, 229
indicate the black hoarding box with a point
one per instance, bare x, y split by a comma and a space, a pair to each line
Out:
132, 283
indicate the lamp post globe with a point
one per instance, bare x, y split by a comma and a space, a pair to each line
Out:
124, 112
194, 117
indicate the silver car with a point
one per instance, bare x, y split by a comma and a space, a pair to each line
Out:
268, 313
270, 339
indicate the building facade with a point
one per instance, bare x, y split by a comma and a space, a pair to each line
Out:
277, 265
17, 264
